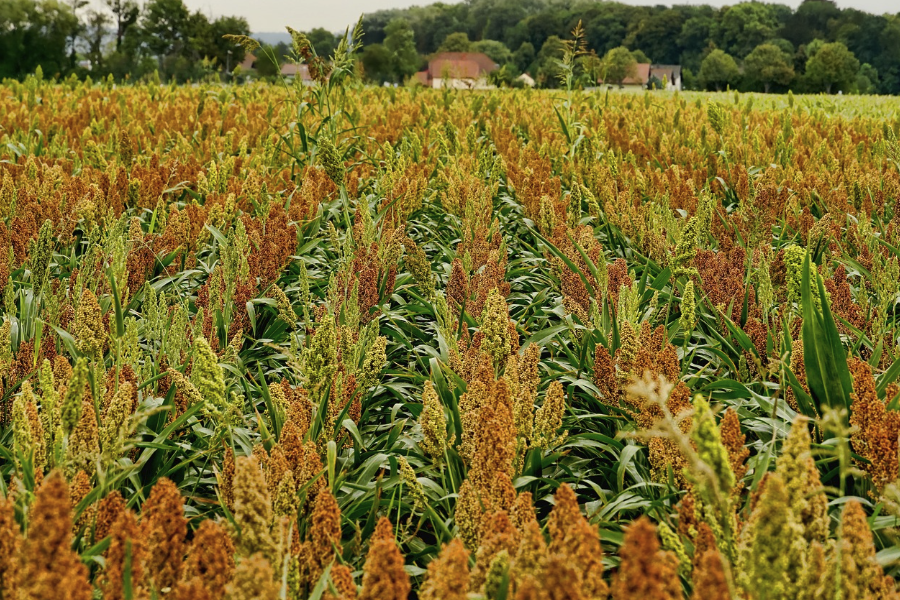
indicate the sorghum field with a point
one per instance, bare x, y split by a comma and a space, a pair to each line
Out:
346, 342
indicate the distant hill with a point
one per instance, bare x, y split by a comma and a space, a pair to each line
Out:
272, 37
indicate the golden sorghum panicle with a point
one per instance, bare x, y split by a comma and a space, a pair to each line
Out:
523, 411
187, 389
672, 542
253, 579
411, 484
383, 575
84, 443
433, 422
448, 574
331, 161
646, 572
468, 515
373, 363
577, 542
210, 559
164, 528
72, 403
531, 556
284, 500
498, 535
548, 419
28, 433
498, 568
560, 578
495, 328
772, 552
10, 543
126, 539
319, 360
283, 305
688, 319
252, 508
116, 422
798, 470
710, 449
50, 409
88, 330
207, 377
52, 569
324, 534
861, 575
419, 267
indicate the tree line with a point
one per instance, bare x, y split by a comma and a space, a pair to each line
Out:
751, 46
119, 37
818, 47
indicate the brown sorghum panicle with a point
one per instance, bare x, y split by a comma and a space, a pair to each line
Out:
164, 528
51, 568
126, 536
383, 575
646, 572
210, 558
448, 574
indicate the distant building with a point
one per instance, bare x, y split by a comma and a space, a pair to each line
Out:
653, 76
668, 75
526, 79
458, 70
249, 62
292, 70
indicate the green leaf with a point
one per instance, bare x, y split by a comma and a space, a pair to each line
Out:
823, 354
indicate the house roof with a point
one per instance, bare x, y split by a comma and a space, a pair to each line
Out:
293, 70
460, 65
641, 77
249, 62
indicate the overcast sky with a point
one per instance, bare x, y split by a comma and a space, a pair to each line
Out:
274, 15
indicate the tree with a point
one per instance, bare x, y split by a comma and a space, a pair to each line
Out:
165, 24
718, 70
548, 62
376, 61
125, 13
456, 42
497, 51
833, 65
867, 79
768, 65
93, 34
618, 65
640, 56
209, 39
745, 26
524, 56
267, 61
35, 34
400, 42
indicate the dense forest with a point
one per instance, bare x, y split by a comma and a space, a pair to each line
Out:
750, 46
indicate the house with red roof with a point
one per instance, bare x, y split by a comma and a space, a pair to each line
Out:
458, 70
